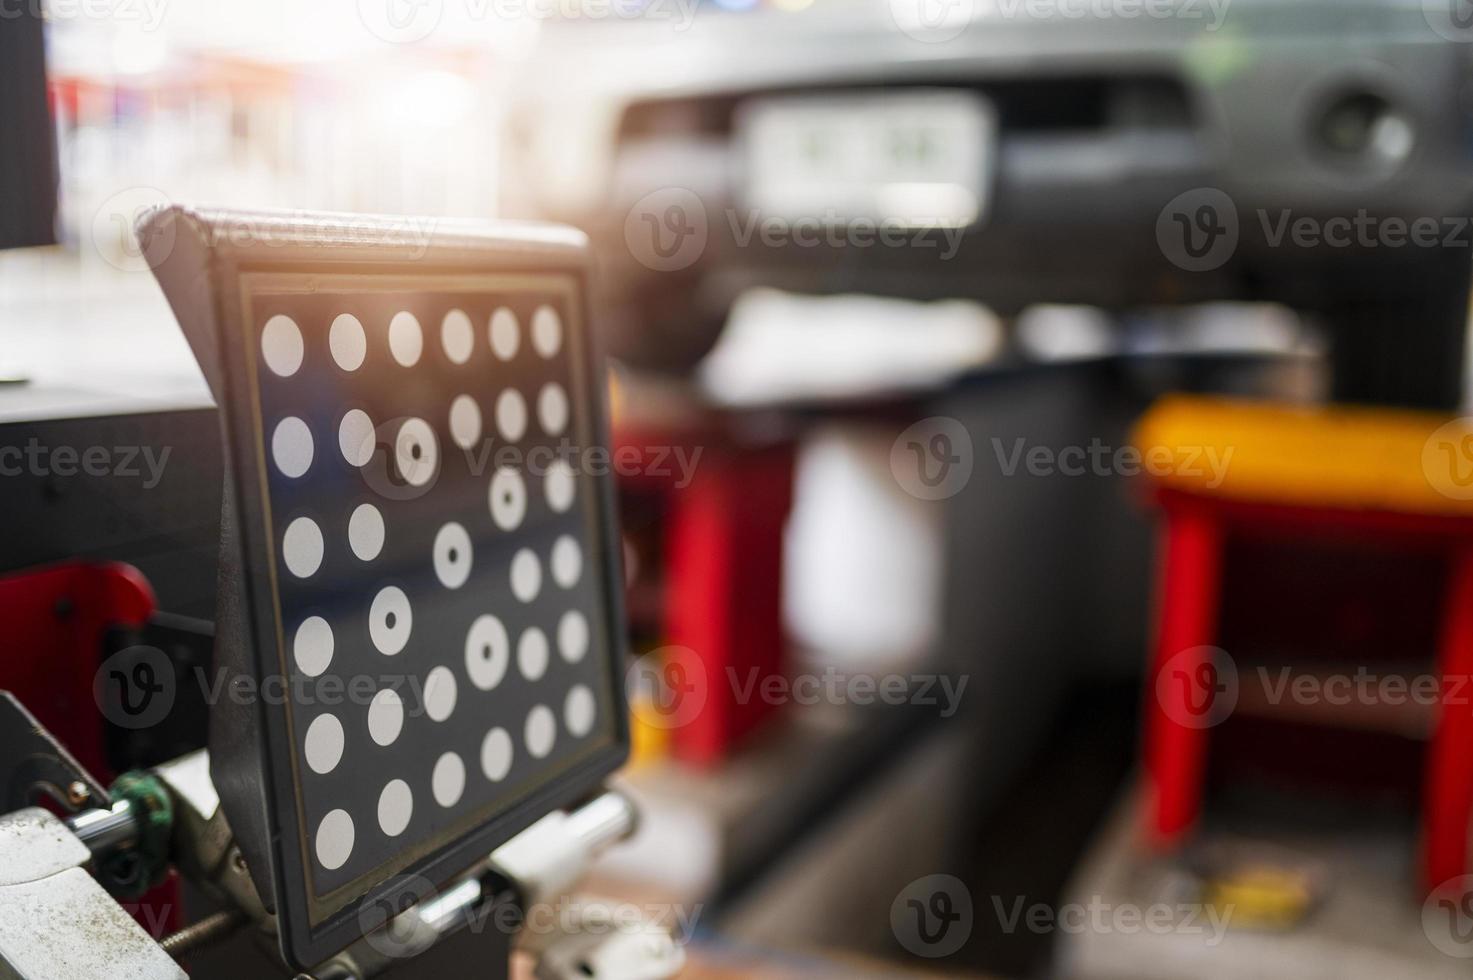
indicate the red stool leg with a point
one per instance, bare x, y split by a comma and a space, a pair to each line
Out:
724, 603
1448, 800
1175, 715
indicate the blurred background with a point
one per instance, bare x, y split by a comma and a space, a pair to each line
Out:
1046, 497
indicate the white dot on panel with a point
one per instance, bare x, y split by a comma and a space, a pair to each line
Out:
572, 636
395, 807
552, 408
448, 779
291, 446
547, 331
385, 716
301, 547
416, 452
312, 646
567, 561
465, 421
541, 731
511, 415
452, 555
505, 334
457, 336
335, 840
390, 620
558, 485
281, 346
347, 342
356, 437
532, 653
323, 747
440, 694
487, 650
579, 710
366, 532
496, 754
526, 575
508, 498
406, 340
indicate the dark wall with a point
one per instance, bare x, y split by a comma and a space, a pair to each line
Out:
27, 143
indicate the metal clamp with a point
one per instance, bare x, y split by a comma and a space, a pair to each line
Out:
540, 865
56, 921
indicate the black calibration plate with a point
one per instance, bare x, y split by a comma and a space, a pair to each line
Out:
428, 565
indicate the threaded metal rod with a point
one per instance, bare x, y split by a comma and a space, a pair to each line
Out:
205, 932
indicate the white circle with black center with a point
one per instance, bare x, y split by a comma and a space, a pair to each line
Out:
567, 561
457, 336
334, 842
532, 653
526, 575
385, 716
496, 754
356, 437
395, 807
416, 452
547, 331
389, 620
291, 446
557, 485
579, 710
448, 779
406, 340
541, 731
508, 498
347, 342
452, 555
465, 421
552, 408
366, 532
312, 646
440, 694
572, 636
505, 334
487, 651
511, 415
281, 346
301, 547
323, 746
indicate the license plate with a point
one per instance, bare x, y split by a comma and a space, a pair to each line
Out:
921, 159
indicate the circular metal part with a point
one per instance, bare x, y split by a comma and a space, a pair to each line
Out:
1365, 130
104, 831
